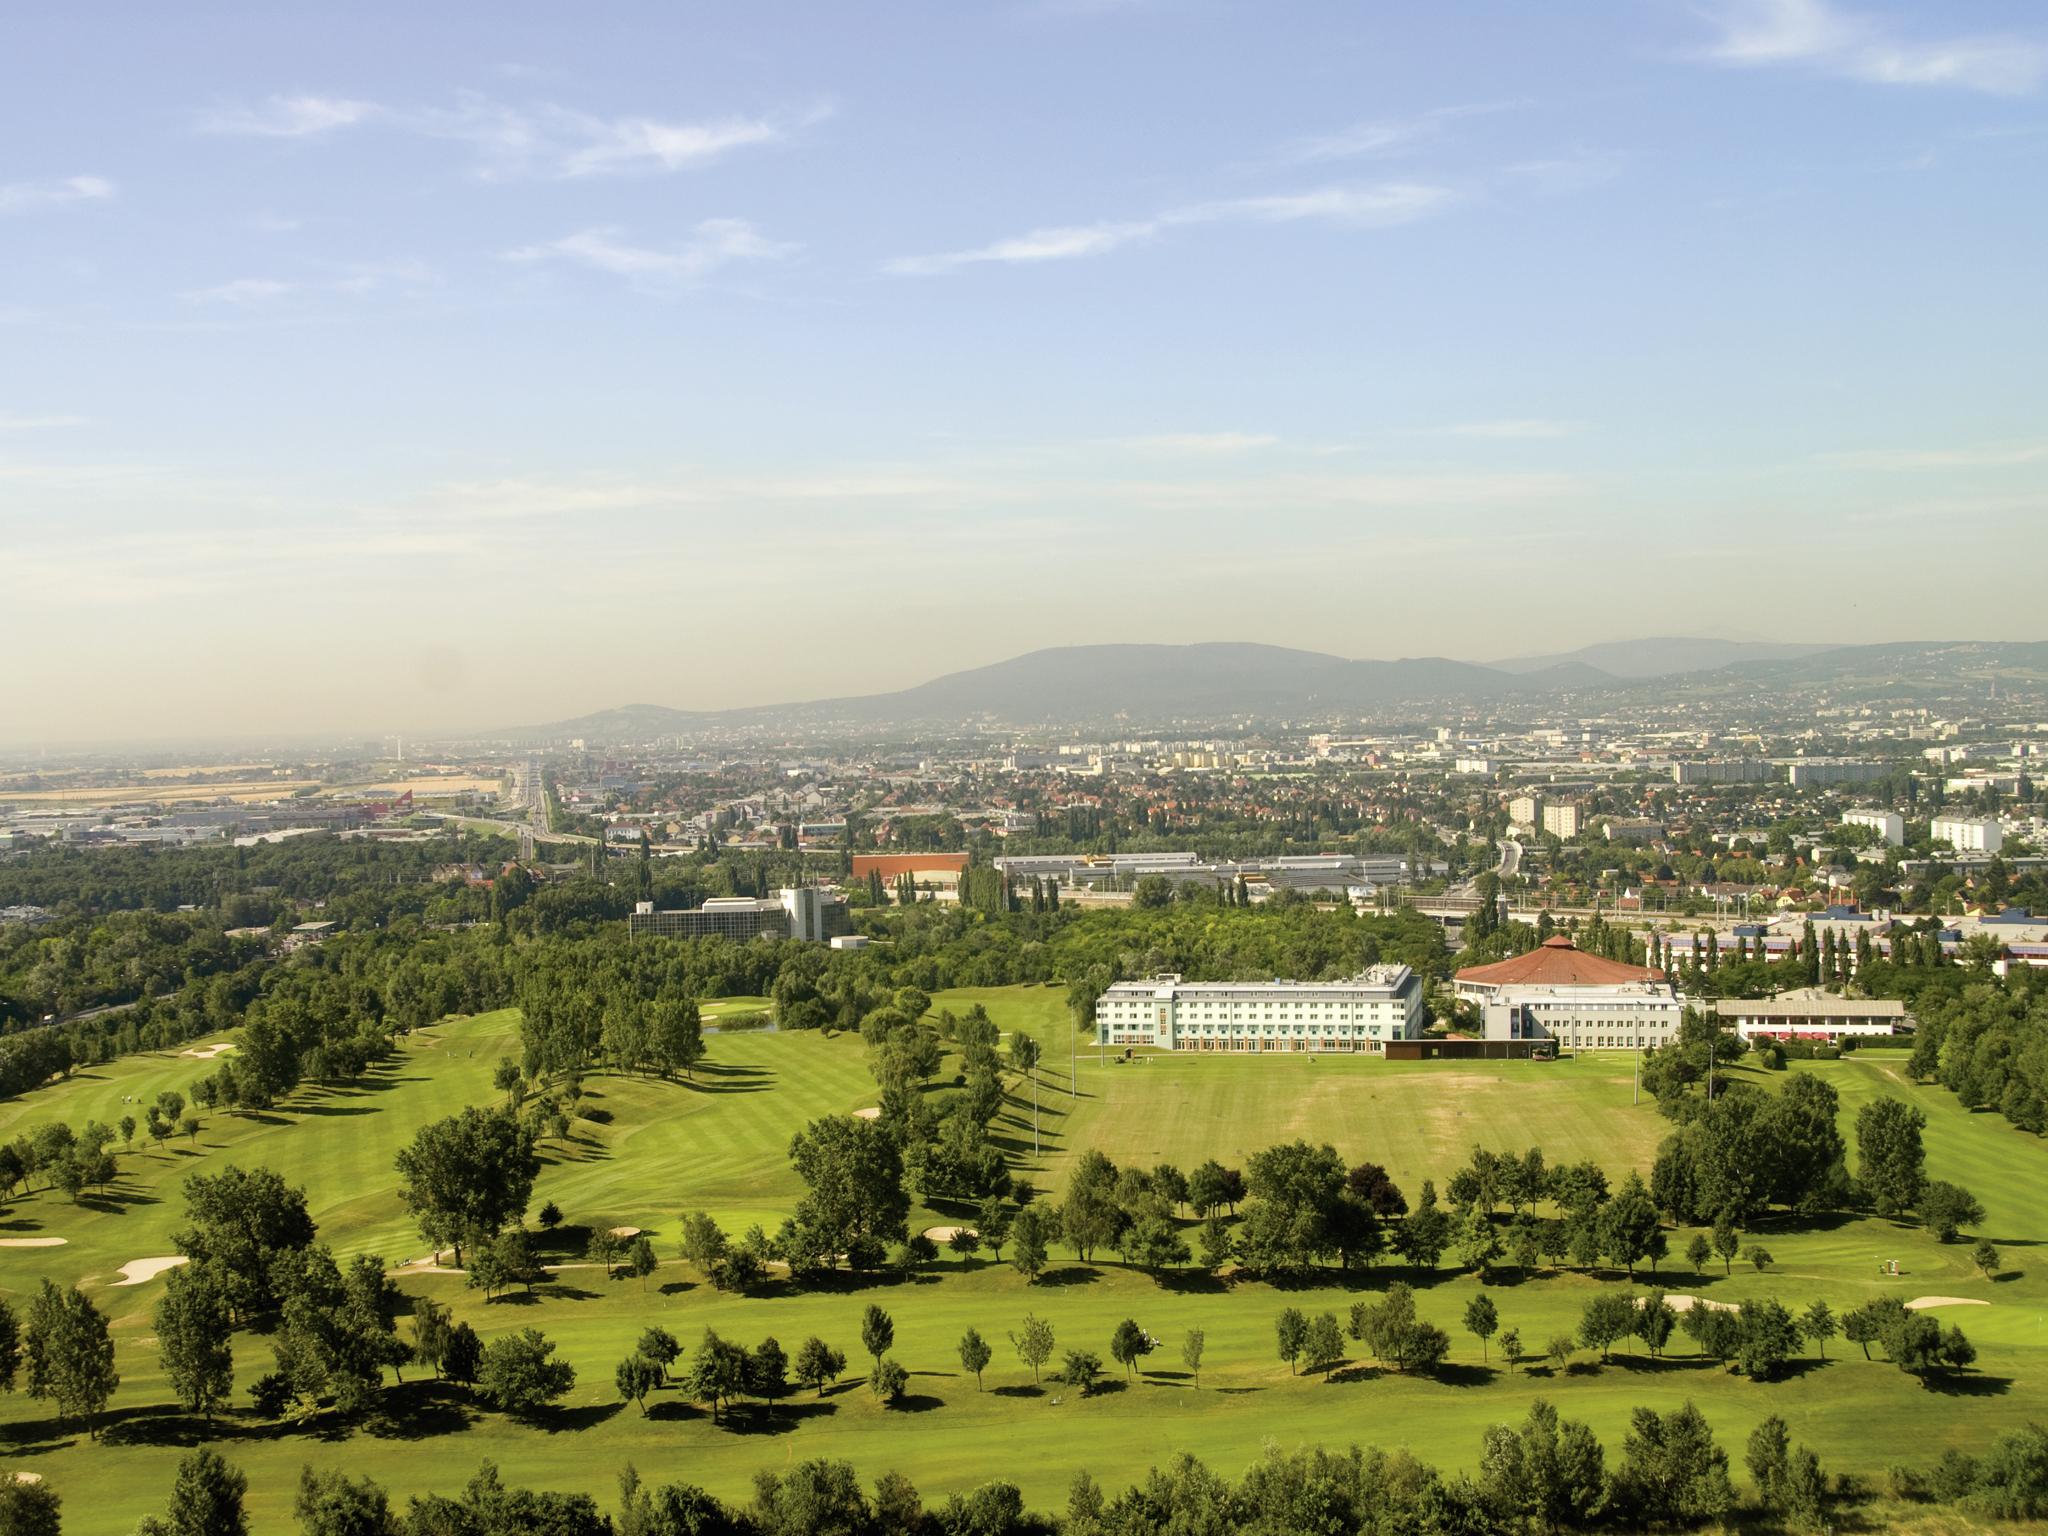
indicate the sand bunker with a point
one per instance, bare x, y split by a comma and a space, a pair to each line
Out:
872, 1112
135, 1271
208, 1052
1687, 1303
33, 1242
625, 1232
944, 1234
28, 1477
1919, 1302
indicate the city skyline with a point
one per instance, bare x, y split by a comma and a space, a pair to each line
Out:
474, 369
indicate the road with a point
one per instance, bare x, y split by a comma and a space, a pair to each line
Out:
1510, 858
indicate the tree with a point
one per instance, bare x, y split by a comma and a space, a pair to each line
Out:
1426, 1232
1672, 1472
1028, 1242
964, 1242
1128, 1344
992, 1225
70, 1354
1985, 1257
1560, 1350
1609, 1318
1654, 1322
818, 1364
718, 1372
194, 1334
29, 1509
1627, 1224
1891, 1163
636, 1377
1727, 1243
206, 1500
1216, 1244
701, 1241
467, 1176
1081, 1369
768, 1371
1191, 1349
1549, 1472
1697, 1252
888, 1381
1291, 1334
1033, 1343
641, 1260
1945, 1209
331, 1504
1767, 1456
1817, 1323
660, 1346
877, 1332
854, 1201
430, 1333
518, 1374
464, 1358
1324, 1345
238, 1222
1758, 1255
974, 1354
1511, 1348
1481, 1319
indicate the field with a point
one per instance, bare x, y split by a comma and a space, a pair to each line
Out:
160, 794
719, 1143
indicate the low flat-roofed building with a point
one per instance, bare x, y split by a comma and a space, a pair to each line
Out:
1359, 1014
1811, 1015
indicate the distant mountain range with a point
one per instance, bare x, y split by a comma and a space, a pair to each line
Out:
1161, 684
1664, 656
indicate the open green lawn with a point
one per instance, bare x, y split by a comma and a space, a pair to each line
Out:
720, 1142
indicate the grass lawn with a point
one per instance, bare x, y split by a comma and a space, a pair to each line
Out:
719, 1142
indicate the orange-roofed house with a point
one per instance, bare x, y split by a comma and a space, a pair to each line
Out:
1582, 1001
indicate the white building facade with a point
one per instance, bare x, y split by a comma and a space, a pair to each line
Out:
1967, 834
1609, 1018
1361, 1014
1889, 825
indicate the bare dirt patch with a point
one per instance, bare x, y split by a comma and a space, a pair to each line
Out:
136, 1271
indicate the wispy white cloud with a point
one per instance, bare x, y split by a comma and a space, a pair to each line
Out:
1386, 136
37, 423
357, 279
713, 244
1518, 428
23, 196
290, 117
1978, 456
1379, 206
1820, 35
514, 141
1203, 442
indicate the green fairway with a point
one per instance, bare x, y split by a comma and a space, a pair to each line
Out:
720, 1143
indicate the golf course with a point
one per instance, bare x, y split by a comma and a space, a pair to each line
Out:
643, 1151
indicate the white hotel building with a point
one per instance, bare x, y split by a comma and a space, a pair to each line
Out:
1362, 1014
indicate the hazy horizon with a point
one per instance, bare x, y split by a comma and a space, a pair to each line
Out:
481, 367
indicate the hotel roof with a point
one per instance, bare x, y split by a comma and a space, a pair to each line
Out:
1557, 962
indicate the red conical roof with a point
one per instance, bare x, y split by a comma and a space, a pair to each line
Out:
1558, 962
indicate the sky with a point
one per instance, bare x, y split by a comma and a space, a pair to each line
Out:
415, 368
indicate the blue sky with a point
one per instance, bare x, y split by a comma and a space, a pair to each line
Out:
480, 364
